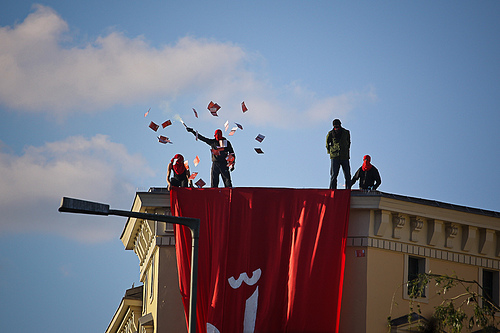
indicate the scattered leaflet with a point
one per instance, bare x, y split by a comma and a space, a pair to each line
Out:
186, 165
239, 126
230, 160
146, 114
226, 125
243, 107
163, 139
200, 183
213, 108
167, 123
153, 126
233, 130
259, 151
193, 176
260, 137
195, 113
196, 161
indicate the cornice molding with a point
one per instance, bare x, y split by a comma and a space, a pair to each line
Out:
423, 251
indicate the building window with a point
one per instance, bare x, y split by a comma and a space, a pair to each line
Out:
151, 291
414, 266
145, 293
490, 287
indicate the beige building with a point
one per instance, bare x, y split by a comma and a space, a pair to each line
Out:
390, 238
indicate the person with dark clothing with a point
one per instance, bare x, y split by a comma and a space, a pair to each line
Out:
368, 175
338, 144
180, 173
223, 157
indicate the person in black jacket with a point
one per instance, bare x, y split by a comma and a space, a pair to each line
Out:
368, 175
222, 157
338, 144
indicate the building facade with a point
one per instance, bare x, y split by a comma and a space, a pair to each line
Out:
391, 238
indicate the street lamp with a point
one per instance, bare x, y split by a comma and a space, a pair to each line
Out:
70, 205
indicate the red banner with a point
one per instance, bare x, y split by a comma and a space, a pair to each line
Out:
270, 260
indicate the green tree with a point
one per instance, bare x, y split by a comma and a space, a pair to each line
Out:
450, 315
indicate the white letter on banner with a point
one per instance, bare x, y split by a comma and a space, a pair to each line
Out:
235, 284
251, 312
212, 329
250, 304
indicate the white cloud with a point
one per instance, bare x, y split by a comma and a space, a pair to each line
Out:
32, 185
39, 74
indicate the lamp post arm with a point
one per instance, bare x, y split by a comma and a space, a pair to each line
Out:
191, 223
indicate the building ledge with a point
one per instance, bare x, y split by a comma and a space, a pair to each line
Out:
427, 202
146, 320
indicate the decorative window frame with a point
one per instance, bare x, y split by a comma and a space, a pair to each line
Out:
481, 275
145, 294
424, 299
152, 280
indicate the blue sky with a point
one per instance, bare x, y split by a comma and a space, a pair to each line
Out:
416, 83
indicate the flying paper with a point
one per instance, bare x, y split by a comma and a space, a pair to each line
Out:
153, 126
226, 125
186, 165
195, 113
260, 137
233, 130
243, 107
146, 114
196, 161
193, 176
200, 183
213, 108
259, 151
230, 160
167, 123
163, 139
239, 126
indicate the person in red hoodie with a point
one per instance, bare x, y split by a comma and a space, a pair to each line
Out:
180, 173
368, 175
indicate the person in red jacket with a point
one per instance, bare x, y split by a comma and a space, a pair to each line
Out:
368, 175
180, 173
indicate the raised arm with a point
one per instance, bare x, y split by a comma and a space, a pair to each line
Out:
200, 137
